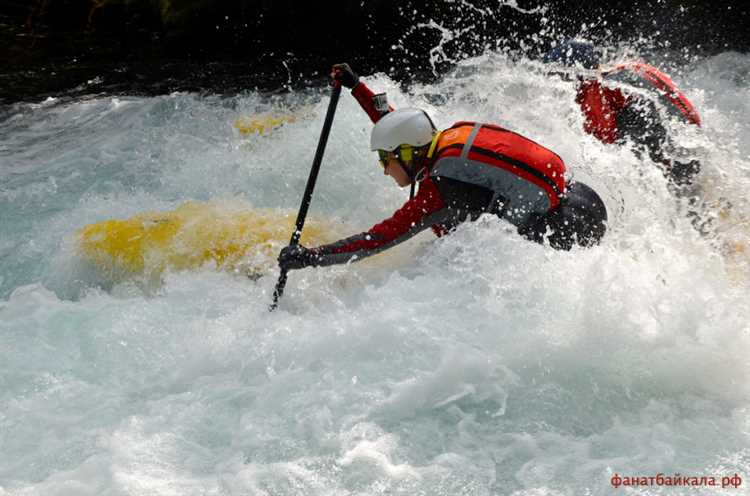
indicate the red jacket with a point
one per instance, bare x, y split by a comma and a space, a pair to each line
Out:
602, 105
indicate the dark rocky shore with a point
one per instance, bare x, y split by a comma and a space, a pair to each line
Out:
76, 47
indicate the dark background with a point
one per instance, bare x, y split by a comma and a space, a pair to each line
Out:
74, 47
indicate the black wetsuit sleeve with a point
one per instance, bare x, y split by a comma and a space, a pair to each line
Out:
640, 122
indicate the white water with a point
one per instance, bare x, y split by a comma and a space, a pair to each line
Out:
474, 364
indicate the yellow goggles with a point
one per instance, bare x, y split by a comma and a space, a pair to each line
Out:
404, 153
383, 157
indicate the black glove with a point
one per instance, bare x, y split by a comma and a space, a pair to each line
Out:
344, 74
296, 257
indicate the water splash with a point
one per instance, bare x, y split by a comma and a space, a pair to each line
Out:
474, 364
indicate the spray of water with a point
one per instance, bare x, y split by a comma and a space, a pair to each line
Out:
477, 363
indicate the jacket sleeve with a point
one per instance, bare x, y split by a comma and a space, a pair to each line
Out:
640, 121
426, 209
364, 96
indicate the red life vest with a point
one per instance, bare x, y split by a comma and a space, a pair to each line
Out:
527, 177
601, 105
652, 79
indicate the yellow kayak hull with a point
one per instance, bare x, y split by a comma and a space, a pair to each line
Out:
193, 235
262, 124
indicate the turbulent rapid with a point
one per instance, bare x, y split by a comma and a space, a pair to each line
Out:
477, 363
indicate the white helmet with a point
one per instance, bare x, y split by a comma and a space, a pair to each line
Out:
407, 126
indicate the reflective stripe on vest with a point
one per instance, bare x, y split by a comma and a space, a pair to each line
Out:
651, 79
527, 176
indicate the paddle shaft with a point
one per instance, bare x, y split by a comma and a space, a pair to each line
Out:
312, 178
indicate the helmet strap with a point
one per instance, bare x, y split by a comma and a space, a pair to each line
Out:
416, 178
419, 174
412, 177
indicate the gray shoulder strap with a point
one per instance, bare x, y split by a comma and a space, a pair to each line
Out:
470, 140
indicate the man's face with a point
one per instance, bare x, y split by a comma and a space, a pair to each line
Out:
394, 169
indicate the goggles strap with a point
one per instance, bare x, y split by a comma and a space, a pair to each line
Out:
406, 153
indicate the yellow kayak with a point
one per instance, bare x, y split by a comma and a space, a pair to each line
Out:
265, 122
262, 124
229, 237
